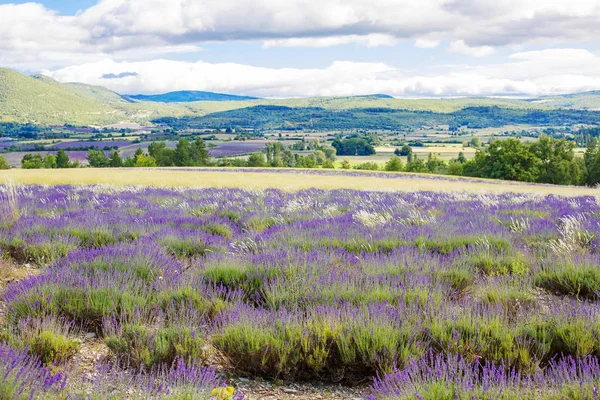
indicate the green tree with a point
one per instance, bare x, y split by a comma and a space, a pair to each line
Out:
3, 163
368, 166
163, 156
115, 160
416, 165
455, 167
145, 161
50, 161
511, 160
181, 158
32, 161
199, 154
475, 142
461, 157
257, 160
405, 151
62, 159
328, 164
97, 159
353, 147
591, 163
557, 161
434, 164
274, 152
346, 164
394, 164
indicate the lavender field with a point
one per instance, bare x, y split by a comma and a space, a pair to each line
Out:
416, 295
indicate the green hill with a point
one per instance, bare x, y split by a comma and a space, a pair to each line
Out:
27, 99
43, 100
584, 101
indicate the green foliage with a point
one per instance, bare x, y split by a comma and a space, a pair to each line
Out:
317, 347
394, 164
257, 160
52, 347
144, 161
97, 159
32, 161
62, 159
545, 161
368, 166
405, 151
3, 163
49, 161
184, 247
181, 156
353, 147
567, 278
141, 345
115, 160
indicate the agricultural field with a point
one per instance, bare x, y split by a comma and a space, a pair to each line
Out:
121, 291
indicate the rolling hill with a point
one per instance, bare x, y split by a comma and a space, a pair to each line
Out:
188, 96
43, 100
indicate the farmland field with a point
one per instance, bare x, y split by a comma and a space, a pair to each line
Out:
140, 292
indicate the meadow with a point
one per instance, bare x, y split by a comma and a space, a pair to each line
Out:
407, 294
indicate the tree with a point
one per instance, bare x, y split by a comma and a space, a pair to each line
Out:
461, 157
416, 165
591, 163
346, 164
511, 160
455, 167
163, 156
274, 154
434, 164
199, 154
475, 142
181, 157
257, 160
115, 160
32, 161
368, 166
49, 161
97, 159
328, 164
145, 161
3, 163
557, 161
405, 151
353, 147
62, 159
394, 164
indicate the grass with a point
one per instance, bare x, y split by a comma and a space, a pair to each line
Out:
290, 180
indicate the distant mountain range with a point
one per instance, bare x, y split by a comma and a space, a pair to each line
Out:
43, 100
188, 96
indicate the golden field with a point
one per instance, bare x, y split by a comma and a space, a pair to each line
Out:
286, 180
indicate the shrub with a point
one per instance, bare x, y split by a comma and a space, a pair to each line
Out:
141, 345
580, 280
184, 247
52, 347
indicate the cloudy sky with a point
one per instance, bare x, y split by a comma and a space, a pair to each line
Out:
296, 48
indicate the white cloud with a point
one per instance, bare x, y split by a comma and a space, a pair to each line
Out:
32, 35
370, 40
460, 47
528, 74
426, 43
